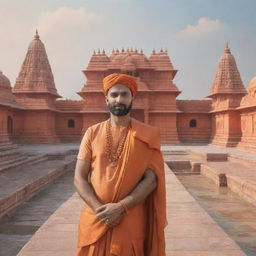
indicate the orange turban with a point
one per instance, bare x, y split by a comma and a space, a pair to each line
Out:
116, 78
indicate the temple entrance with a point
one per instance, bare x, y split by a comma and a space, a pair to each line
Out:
138, 114
9, 125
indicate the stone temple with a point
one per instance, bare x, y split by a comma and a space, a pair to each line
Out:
32, 111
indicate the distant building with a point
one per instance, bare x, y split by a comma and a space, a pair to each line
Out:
32, 113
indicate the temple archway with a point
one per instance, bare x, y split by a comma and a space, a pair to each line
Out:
9, 125
71, 123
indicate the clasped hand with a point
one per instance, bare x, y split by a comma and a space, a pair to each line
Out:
110, 214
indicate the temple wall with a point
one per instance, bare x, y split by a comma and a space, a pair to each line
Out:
35, 101
18, 124
201, 133
167, 124
38, 127
4, 137
227, 129
159, 80
90, 119
162, 101
94, 101
248, 127
69, 126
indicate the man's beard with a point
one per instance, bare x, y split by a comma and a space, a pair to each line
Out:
121, 111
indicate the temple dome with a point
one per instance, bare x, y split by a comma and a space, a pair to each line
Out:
4, 81
6, 96
252, 83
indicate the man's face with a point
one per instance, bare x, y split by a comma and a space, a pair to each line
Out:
119, 100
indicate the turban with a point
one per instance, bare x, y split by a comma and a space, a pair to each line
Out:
116, 78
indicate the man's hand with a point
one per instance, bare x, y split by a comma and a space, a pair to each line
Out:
110, 214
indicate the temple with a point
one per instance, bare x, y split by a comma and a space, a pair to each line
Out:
32, 111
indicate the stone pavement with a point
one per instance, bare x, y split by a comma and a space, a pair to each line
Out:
205, 148
190, 232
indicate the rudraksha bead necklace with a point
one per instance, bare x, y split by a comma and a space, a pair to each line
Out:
113, 155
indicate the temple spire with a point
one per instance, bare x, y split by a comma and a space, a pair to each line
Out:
227, 78
36, 75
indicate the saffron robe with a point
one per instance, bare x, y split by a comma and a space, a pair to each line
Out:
141, 232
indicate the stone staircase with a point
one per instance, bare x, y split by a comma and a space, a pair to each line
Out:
23, 175
12, 157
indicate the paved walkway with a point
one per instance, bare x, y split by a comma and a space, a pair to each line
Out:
191, 231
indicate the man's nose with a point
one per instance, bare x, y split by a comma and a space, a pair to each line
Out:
119, 98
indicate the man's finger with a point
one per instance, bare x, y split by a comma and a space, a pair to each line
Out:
101, 208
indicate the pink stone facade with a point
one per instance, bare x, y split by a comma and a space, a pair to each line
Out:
32, 113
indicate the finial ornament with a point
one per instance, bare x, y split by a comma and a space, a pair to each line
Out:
36, 35
227, 50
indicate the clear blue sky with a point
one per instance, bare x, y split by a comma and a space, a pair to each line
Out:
193, 31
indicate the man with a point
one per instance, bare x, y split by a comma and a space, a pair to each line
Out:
120, 176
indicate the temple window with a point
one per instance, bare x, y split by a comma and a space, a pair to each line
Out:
71, 123
192, 123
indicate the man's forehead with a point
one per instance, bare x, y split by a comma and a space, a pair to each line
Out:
119, 88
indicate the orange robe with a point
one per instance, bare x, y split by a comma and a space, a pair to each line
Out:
141, 232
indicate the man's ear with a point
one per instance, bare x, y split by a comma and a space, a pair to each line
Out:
106, 99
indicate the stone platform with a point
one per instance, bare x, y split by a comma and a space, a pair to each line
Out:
190, 232
225, 166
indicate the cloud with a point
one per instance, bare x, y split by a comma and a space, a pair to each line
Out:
65, 32
66, 19
204, 28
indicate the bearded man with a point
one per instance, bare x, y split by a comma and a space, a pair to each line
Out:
120, 176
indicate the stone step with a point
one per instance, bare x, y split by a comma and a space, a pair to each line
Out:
7, 146
7, 154
242, 160
211, 157
13, 160
20, 184
184, 167
22, 161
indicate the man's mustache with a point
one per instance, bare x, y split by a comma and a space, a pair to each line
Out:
119, 105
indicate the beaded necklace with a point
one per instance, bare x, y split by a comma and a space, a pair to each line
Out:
113, 155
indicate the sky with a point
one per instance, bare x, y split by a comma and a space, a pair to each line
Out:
194, 32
